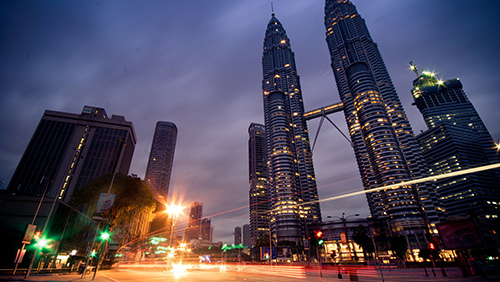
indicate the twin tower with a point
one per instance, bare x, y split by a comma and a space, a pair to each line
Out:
384, 144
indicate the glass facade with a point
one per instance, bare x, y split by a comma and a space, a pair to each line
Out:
456, 139
292, 182
384, 144
258, 180
70, 150
161, 158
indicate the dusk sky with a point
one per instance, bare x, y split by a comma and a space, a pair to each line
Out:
198, 64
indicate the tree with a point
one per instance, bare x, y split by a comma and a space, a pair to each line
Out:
361, 238
399, 246
134, 204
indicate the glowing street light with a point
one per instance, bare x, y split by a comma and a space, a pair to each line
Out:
173, 211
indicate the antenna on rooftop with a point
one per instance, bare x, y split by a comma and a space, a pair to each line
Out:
414, 68
272, 8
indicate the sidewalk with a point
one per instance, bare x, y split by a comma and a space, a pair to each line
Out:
56, 277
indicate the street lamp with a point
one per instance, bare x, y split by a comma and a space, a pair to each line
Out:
173, 211
343, 218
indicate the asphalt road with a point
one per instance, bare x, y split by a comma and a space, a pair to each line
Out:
260, 273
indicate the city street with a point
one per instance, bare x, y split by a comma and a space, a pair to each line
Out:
262, 273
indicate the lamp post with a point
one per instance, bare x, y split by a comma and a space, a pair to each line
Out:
32, 223
344, 218
173, 211
104, 249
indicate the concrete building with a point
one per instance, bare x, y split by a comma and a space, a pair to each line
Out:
70, 150
193, 230
237, 235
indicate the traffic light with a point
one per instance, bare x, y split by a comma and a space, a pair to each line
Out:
42, 243
320, 240
431, 246
38, 235
266, 255
105, 235
93, 253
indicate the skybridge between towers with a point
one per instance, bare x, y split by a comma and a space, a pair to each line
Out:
323, 112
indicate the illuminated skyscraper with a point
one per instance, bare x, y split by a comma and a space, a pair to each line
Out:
457, 139
161, 158
292, 182
72, 150
259, 194
384, 144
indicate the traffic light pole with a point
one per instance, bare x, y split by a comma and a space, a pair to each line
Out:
92, 246
319, 260
33, 222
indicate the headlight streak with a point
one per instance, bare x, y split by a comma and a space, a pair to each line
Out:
410, 182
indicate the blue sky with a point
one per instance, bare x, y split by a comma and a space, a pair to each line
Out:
198, 64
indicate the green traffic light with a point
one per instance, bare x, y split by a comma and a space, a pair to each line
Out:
42, 243
105, 236
320, 242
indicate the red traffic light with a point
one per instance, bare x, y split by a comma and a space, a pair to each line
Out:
431, 246
319, 233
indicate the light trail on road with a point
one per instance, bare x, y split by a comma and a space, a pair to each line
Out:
411, 182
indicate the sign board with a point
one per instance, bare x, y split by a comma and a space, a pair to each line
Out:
343, 238
30, 233
19, 256
105, 202
283, 253
460, 234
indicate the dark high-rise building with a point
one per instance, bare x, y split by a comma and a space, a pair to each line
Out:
384, 144
206, 230
246, 235
456, 139
193, 230
161, 158
259, 195
73, 149
237, 235
292, 182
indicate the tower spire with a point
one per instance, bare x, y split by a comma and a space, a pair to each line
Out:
272, 9
414, 68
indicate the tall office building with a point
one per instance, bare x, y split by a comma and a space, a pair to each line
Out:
193, 230
161, 158
384, 144
237, 235
259, 195
73, 149
246, 235
456, 139
292, 182
206, 230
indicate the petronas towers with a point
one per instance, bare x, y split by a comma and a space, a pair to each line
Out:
385, 147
